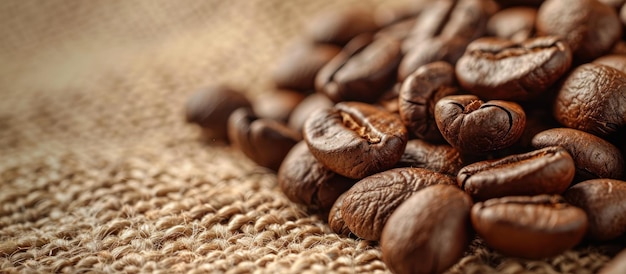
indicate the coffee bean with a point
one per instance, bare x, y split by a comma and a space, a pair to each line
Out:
306, 181
589, 27
431, 50
338, 26
593, 156
264, 141
471, 126
429, 232
490, 67
604, 200
210, 107
335, 218
369, 203
592, 99
362, 71
419, 94
310, 104
532, 227
617, 265
617, 61
545, 171
277, 105
300, 62
355, 139
516, 24
441, 158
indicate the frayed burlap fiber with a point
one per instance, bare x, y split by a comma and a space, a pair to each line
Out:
100, 173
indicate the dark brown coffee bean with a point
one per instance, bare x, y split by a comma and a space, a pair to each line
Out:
369, 203
429, 232
338, 26
544, 171
210, 107
532, 227
438, 158
306, 181
617, 265
355, 139
516, 24
490, 67
589, 27
472, 127
604, 200
335, 219
593, 156
592, 99
419, 94
300, 62
617, 61
431, 50
310, 104
264, 141
277, 105
362, 71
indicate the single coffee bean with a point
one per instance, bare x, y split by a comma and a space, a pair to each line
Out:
429, 232
604, 200
545, 171
264, 141
369, 203
431, 50
593, 156
300, 62
306, 181
355, 139
617, 61
617, 265
362, 71
210, 107
310, 104
338, 26
474, 127
490, 67
277, 105
516, 24
589, 27
532, 227
335, 219
419, 94
441, 158
592, 99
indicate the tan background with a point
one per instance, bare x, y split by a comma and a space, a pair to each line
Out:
98, 171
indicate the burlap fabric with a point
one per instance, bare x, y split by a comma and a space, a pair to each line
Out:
99, 172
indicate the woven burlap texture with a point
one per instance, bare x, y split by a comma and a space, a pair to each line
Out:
100, 173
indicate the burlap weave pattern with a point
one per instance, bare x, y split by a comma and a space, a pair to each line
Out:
99, 172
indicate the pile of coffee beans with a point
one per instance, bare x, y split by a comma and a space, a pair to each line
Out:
419, 126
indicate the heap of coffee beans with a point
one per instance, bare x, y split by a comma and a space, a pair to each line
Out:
420, 126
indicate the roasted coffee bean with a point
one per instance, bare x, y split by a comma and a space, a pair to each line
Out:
210, 107
544, 171
474, 127
592, 99
419, 94
300, 62
431, 50
310, 104
593, 156
362, 71
335, 219
264, 141
338, 26
532, 227
306, 181
589, 27
516, 24
355, 139
617, 265
429, 232
490, 67
441, 158
369, 203
277, 105
604, 200
617, 61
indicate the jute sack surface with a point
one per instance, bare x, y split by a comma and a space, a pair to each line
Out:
99, 172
